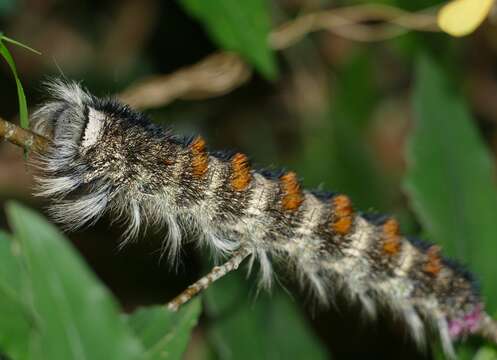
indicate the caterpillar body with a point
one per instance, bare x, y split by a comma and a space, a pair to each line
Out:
106, 157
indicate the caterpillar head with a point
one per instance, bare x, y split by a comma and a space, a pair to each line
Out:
100, 148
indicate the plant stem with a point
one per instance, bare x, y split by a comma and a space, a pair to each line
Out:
23, 137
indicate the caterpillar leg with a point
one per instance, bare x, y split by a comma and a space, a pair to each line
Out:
204, 282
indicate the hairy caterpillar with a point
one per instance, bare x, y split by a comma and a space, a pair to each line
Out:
105, 157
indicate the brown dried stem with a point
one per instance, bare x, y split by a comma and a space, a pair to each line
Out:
215, 75
223, 72
350, 23
203, 283
23, 137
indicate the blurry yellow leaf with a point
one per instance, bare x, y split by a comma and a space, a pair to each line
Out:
461, 17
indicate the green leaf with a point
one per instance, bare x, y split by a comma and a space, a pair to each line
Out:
165, 334
262, 327
16, 321
23, 108
241, 26
450, 179
10, 270
77, 317
486, 353
15, 42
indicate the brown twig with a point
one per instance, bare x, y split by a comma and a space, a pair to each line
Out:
204, 282
350, 23
222, 72
22, 137
216, 75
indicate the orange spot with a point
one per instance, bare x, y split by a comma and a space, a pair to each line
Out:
292, 194
434, 263
200, 162
241, 177
391, 237
343, 214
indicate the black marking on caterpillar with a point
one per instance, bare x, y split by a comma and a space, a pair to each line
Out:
105, 157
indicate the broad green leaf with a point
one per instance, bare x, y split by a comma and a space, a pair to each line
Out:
245, 326
241, 26
15, 326
77, 317
486, 353
165, 334
451, 177
462, 17
23, 108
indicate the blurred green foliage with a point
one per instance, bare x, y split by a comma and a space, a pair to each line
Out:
451, 178
163, 334
7, 6
241, 26
53, 307
257, 326
348, 167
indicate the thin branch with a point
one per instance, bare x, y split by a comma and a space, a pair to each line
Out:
350, 23
223, 72
204, 282
216, 75
23, 137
